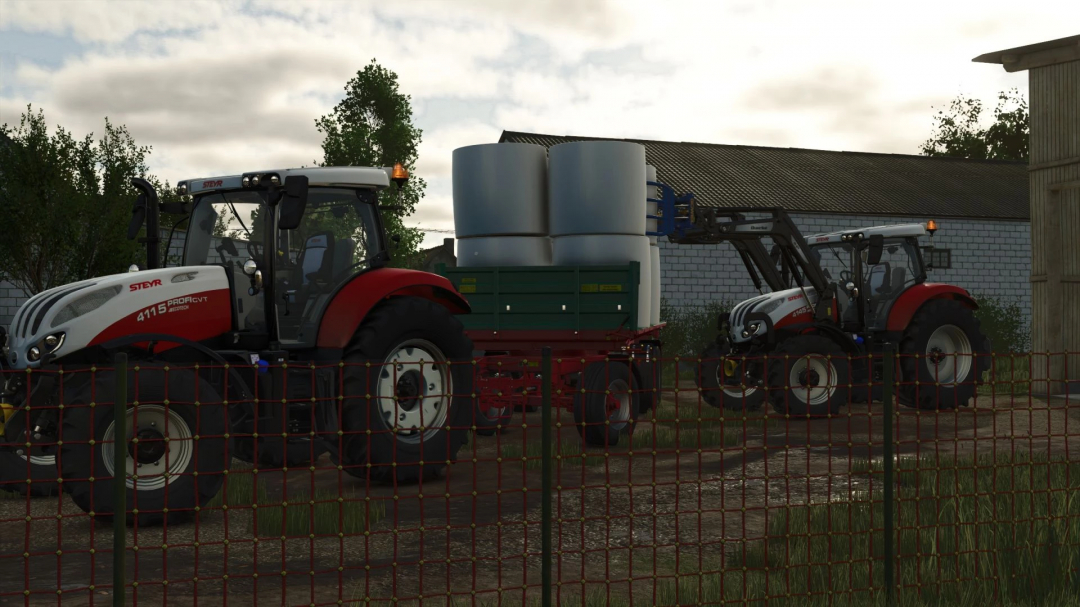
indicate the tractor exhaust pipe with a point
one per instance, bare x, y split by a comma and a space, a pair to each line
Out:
146, 209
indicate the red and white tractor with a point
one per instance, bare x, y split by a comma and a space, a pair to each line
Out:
281, 299
828, 302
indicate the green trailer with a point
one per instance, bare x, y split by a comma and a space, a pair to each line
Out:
602, 360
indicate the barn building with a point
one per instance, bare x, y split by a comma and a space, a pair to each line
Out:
1054, 96
981, 207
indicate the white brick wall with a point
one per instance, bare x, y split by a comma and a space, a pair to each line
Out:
989, 258
10, 300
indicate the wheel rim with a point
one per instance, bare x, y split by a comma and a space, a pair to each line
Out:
812, 379
163, 451
414, 390
42, 450
948, 355
723, 377
618, 402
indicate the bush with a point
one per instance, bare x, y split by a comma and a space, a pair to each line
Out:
689, 329
1003, 322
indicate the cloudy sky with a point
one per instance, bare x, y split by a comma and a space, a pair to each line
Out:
223, 87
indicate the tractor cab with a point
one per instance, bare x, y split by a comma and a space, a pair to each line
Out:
871, 267
288, 241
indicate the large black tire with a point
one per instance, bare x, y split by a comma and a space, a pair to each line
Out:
172, 403
402, 341
718, 393
941, 357
490, 422
28, 463
604, 383
809, 376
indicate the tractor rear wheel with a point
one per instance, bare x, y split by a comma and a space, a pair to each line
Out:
408, 402
607, 405
940, 360
28, 458
176, 446
723, 381
809, 376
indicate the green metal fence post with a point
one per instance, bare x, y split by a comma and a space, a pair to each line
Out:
545, 471
887, 393
120, 366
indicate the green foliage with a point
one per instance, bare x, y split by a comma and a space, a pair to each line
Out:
373, 126
958, 131
689, 329
1003, 322
67, 203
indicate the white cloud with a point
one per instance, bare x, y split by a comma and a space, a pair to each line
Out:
220, 87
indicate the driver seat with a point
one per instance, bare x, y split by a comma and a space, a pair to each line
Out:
314, 265
316, 261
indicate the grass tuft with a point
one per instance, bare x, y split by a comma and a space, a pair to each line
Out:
324, 513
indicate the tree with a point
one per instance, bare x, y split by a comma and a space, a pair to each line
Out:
372, 126
66, 203
959, 131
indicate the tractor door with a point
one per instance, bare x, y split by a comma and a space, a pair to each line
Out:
836, 263
225, 230
898, 269
337, 238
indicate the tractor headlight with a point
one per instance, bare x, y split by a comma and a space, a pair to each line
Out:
34, 354
85, 304
753, 328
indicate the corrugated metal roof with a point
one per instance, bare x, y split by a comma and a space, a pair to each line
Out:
820, 181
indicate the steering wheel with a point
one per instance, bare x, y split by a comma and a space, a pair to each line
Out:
845, 276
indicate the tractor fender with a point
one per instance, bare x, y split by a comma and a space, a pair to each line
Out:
909, 302
351, 303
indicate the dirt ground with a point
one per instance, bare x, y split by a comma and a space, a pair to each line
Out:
478, 528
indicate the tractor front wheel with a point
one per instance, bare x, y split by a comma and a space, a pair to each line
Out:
809, 376
725, 381
28, 457
938, 359
176, 443
408, 403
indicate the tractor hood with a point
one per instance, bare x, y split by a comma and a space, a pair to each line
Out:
187, 302
780, 308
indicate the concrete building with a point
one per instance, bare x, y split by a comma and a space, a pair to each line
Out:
981, 207
1054, 96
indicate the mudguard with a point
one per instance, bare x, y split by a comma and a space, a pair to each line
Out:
909, 302
352, 302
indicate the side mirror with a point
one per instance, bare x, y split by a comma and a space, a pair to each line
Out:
227, 245
877, 246
293, 202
